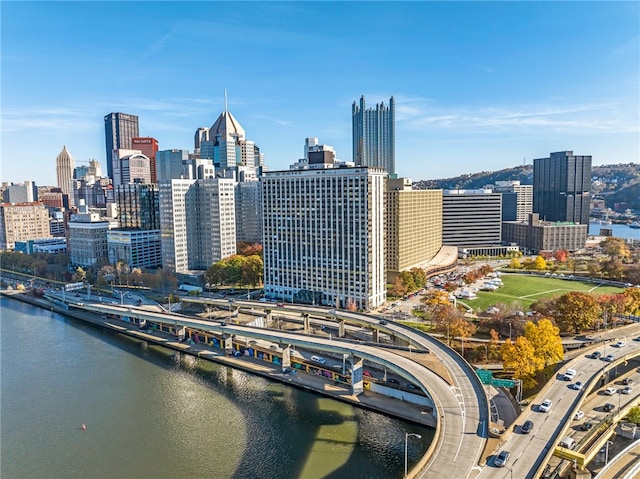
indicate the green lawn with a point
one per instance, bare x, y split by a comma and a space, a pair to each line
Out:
527, 289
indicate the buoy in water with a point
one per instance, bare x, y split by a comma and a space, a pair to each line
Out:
84, 427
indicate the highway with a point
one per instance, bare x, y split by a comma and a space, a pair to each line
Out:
530, 452
462, 406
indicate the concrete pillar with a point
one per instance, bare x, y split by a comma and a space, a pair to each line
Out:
307, 326
341, 329
357, 384
376, 335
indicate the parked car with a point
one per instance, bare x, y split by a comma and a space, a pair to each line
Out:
545, 406
501, 459
577, 385
526, 427
578, 415
610, 391
608, 407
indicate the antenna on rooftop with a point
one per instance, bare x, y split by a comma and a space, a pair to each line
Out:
225, 101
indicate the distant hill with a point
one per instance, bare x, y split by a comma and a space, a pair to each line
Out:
614, 183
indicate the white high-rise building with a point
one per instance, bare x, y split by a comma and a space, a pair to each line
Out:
323, 235
197, 220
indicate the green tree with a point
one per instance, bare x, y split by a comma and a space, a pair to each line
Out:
252, 269
419, 277
576, 311
546, 341
633, 415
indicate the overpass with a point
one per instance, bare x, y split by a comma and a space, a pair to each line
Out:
460, 408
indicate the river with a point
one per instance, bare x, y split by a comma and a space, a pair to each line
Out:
151, 412
619, 231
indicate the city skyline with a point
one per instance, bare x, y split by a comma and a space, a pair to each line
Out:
478, 86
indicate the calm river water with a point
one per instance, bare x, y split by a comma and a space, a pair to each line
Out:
151, 412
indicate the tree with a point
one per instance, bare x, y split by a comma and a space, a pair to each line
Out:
594, 268
215, 274
539, 264
252, 270
561, 255
79, 274
613, 268
576, 311
515, 263
493, 348
615, 247
520, 357
408, 280
419, 277
633, 415
633, 298
435, 297
399, 287
545, 339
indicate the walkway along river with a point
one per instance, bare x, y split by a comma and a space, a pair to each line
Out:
153, 412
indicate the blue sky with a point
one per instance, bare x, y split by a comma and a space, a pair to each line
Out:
478, 85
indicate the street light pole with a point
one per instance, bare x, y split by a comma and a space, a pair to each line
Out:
406, 447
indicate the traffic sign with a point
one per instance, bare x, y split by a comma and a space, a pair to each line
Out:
503, 383
485, 375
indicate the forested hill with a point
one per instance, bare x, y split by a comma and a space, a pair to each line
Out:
615, 183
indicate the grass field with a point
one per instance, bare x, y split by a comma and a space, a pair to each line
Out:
527, 289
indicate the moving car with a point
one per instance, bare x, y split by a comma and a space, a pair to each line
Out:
501, 459
596, 355
569, 374
318, 359
608, 407
619, 344
545, 406
393, 381
626, 390
627, 381
610, 358
526, 427
610, 391
578, 415
577, 385
586, 426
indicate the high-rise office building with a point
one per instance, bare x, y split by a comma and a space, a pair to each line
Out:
22, 222
471, 218
197, 219
138, 206
413, 226
149, 147
119, 130
130, 166
324, 235
64, 169
374, 135
26, 192
517, 200
170, 164
562, 187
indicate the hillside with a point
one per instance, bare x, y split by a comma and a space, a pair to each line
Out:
614, 183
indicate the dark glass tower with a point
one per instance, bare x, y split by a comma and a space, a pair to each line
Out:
562, 187
119, 129
374, 135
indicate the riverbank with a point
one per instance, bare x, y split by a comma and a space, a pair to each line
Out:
367, 400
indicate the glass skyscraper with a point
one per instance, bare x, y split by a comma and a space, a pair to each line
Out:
374, 135
562, 187
119, 129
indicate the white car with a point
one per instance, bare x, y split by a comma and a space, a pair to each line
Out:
579, 415
569, 374
318, 359
545, 406
619, 344
626, 390
610, 391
